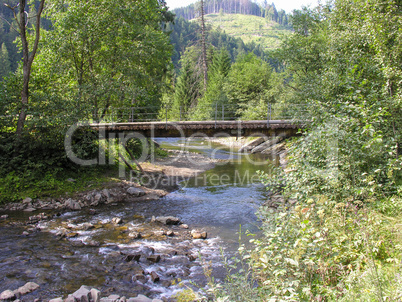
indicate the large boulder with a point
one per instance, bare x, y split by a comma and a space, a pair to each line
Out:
168, 220
83, 294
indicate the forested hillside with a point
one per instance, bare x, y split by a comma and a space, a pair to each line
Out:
184, 34
245, 7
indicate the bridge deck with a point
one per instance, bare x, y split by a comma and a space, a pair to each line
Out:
204, 128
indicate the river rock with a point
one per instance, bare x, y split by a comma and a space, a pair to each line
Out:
97, 198
154, 276
39, 217
136, 192
154, 258
183, 226
106, 193
117, 220
27, 288
27, 200
72, 205
59, 299
7, 295
95, 295
83, 294
130, 258
197, 234
168, 220
140, 298
140, 278
2, 217
114, 298
134, 235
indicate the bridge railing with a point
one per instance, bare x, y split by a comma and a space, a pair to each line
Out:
216, 112
277, 111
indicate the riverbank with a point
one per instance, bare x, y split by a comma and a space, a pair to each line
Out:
158, 178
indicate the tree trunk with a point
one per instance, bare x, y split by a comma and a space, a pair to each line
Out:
204, 48
27, 58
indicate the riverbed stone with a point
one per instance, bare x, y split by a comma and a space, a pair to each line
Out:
7, 295
97, 198
117, 220
168, 220
134, 235
140, 298
72, 205
197, 234
59, 299
136, 192
154, 258
2, 217
95, 295
141, 278
106, 193
154, 276
114, 298
27, 200
132, 257
27, 288
83, 294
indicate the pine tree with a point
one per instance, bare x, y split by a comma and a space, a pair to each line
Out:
5, 65
186, 91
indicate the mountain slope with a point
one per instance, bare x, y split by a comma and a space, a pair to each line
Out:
249, 28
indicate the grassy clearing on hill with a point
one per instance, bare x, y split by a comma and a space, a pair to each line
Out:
250, 28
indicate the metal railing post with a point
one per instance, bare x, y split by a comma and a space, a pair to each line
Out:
223, 112
216, 113
269, 114
166, 117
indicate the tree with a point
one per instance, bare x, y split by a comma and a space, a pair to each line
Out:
5, 66
215, 94
115, 54
203, 45
28, 55
187, 88
246, 86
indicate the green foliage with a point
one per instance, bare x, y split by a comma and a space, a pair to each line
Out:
5, 65
338, 238
247, 83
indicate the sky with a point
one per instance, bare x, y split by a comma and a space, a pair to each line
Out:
287, 5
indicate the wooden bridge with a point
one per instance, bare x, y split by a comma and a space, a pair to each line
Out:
238, 128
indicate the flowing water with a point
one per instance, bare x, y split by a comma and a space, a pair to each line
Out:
218, 201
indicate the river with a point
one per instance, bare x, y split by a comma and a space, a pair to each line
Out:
218, 201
